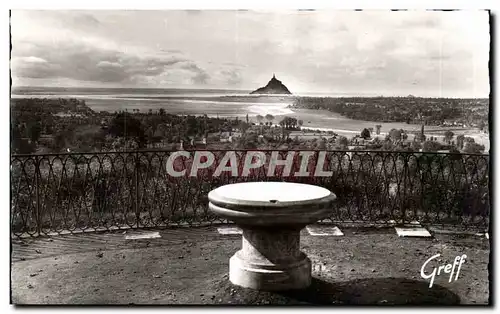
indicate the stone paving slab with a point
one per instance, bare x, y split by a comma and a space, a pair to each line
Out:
142, 235
448, 230
229, 230
319, 230
412, 232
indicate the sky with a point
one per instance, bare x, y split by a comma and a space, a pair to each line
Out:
423, 53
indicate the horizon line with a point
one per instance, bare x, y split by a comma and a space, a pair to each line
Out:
300, 94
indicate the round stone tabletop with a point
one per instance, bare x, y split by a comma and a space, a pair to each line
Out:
272, 194
271, 203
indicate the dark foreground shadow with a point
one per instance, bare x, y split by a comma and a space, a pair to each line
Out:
371, 291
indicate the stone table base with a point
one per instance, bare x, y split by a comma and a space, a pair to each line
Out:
270, 259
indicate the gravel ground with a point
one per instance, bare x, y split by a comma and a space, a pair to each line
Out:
189, 266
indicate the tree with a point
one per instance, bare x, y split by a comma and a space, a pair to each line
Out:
34, 131
243, 127
300, 122
125, 125
23, 147
431, 146
161, 130
365, 133
460, 141
343, 142
59, 141
395, 135
420, 137
19, 145
150, 134
161, 112
192, 126
378, 127
49, 129
469, 140
387, 146
321, 144
473, 148
288, 123
448, 135
415, 146
270, 118
248, 141
481, 125
259, 118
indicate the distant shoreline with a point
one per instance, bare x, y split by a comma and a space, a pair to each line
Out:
213, 92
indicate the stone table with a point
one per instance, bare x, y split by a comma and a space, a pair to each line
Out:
271, 215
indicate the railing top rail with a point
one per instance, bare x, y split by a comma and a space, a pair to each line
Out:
241, 150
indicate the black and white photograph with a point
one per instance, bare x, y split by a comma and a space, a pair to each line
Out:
247, 157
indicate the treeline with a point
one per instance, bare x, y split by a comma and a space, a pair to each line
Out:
52, 125
429, 111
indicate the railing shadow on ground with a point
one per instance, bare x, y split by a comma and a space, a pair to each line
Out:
72, 192
370, 291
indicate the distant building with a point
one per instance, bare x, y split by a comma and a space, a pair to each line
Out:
229, 136
68, 114
355, 148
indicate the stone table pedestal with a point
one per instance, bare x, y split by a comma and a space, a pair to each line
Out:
271, 215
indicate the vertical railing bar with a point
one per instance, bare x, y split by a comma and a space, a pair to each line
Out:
405, 202
137, 212
37, 193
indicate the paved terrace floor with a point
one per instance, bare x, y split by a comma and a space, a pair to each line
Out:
190, 266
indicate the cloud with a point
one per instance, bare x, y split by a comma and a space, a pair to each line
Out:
200, 76
86, 20
231, 76
327, 51
32, 67
32, 59
87, 63
105, 64
172, 51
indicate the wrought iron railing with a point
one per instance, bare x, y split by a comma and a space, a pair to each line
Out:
56, 193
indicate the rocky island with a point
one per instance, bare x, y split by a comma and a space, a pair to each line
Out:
273, 87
